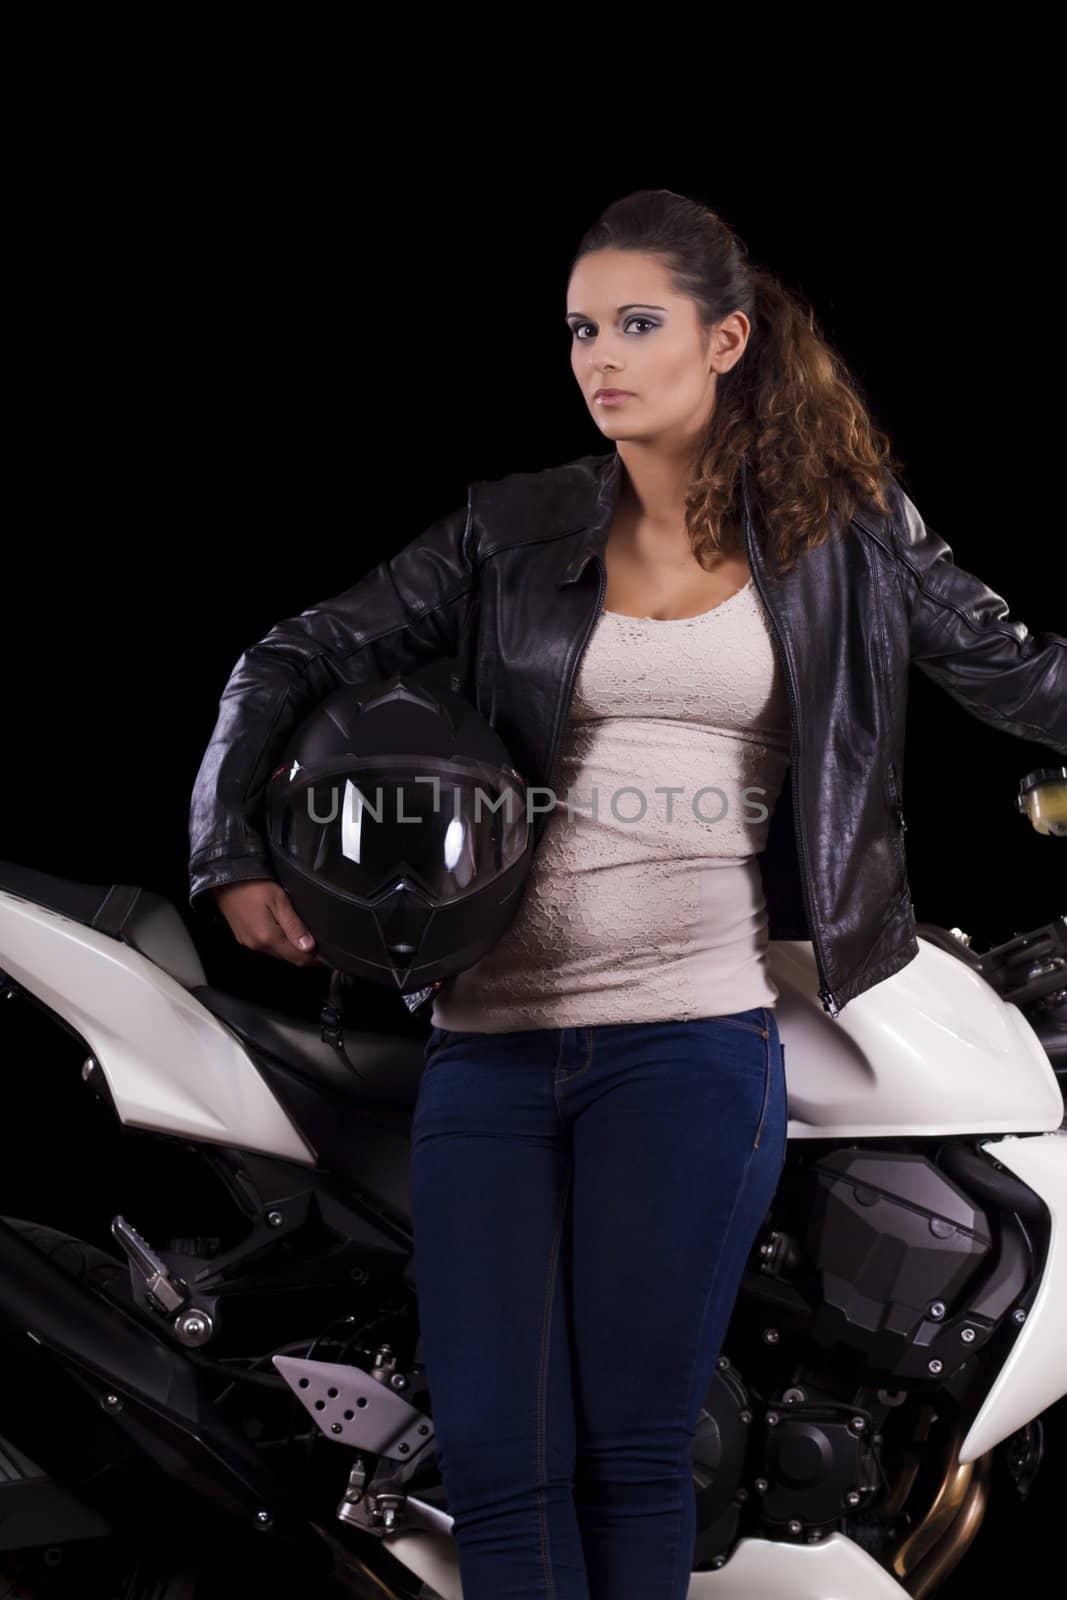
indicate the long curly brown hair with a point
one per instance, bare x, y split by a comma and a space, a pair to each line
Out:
789, 405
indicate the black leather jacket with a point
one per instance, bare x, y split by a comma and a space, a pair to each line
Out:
510, 585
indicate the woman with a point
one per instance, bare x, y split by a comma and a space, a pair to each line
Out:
602, 1120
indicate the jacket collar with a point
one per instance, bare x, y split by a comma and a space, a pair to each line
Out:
605, 486
591, 538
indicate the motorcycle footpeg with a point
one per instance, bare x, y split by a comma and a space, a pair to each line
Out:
382, 1513
385, 1507
355, 1409
163, 1289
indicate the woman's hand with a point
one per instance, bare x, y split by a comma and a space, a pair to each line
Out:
263, 918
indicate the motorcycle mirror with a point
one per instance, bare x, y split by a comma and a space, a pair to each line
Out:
1043, 798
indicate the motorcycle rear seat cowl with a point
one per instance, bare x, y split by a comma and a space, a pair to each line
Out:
386, 1068
139, 917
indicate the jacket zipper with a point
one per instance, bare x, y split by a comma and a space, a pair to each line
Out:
826, 995
565, 698
902, 826
895, 797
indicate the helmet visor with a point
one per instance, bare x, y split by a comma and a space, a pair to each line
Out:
447, 825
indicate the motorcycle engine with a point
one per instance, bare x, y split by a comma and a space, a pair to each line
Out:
897, 1249
891, 1282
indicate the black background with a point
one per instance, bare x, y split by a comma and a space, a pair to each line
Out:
260, 355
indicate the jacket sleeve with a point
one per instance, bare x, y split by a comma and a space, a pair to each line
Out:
964, 637
408, 611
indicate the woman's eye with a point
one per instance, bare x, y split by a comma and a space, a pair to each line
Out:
578, 326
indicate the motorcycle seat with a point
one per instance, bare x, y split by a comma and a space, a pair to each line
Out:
385, 1070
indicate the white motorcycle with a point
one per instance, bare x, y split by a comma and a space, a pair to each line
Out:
896, 1338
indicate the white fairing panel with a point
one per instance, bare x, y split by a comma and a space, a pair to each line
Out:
769, 1569
932, 1050
1034, 1376
171, 1066
758, 1569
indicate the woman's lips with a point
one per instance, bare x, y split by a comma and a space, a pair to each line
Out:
611, 397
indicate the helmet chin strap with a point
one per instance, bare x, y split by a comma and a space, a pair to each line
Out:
333, 1011
330, 1019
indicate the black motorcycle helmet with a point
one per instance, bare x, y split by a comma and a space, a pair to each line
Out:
399, 829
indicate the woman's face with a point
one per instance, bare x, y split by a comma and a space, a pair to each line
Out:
630, 330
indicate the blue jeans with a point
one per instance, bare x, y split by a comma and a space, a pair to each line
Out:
585, 1203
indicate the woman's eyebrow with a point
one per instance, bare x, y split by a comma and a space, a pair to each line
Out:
633, 306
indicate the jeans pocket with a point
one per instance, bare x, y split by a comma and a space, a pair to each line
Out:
755, 1020
761, 1023
765, 1100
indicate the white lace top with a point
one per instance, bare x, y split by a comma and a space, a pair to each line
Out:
645, 899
